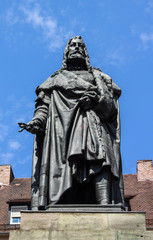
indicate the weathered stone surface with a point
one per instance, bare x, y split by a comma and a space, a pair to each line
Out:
82, 221
39, 221
127, 221
80, 235
148, 235
130, 235
27, 235
83, 235
81, 226
134, 235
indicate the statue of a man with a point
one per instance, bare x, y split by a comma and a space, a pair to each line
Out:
76, 157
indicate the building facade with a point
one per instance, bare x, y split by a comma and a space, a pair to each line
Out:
15, 195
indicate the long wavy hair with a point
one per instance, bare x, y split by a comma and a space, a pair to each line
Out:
66, 51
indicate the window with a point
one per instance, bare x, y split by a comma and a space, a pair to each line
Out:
16, 220
15, 215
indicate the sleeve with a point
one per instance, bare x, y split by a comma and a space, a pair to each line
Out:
41, 109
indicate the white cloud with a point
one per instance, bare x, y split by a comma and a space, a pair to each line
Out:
14, 145
147, 39
10, 17
47, 26
33, 16
146, 36
144, 31
149, 8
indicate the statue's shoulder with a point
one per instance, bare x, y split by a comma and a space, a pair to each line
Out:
108, 80
102, 75
48, 83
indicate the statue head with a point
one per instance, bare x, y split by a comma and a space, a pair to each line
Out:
76, 51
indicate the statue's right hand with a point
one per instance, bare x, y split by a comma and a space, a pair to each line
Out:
22, 126
30, 127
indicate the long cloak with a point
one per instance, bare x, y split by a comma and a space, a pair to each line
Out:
76, 141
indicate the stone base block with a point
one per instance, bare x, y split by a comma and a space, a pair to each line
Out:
86, 208
82, 225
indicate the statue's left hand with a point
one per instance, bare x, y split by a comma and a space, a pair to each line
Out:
88, 100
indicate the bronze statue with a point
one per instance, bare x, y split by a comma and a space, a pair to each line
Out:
76, 156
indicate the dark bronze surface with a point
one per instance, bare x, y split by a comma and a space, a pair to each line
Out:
76, 156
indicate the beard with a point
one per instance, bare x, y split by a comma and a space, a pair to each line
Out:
76, 62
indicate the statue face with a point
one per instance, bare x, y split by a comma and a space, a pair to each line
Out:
76, 49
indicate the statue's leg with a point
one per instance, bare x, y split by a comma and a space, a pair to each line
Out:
102, 186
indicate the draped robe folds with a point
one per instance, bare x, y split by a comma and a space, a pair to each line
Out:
77, 142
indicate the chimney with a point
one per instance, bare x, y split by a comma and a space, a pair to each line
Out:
6, 174
144, 170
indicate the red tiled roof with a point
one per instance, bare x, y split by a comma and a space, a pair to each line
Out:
17, 191
20, 188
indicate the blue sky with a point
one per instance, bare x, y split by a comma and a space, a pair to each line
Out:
119, 38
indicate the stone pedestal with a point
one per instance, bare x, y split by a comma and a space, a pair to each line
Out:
79, 225
86, 208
